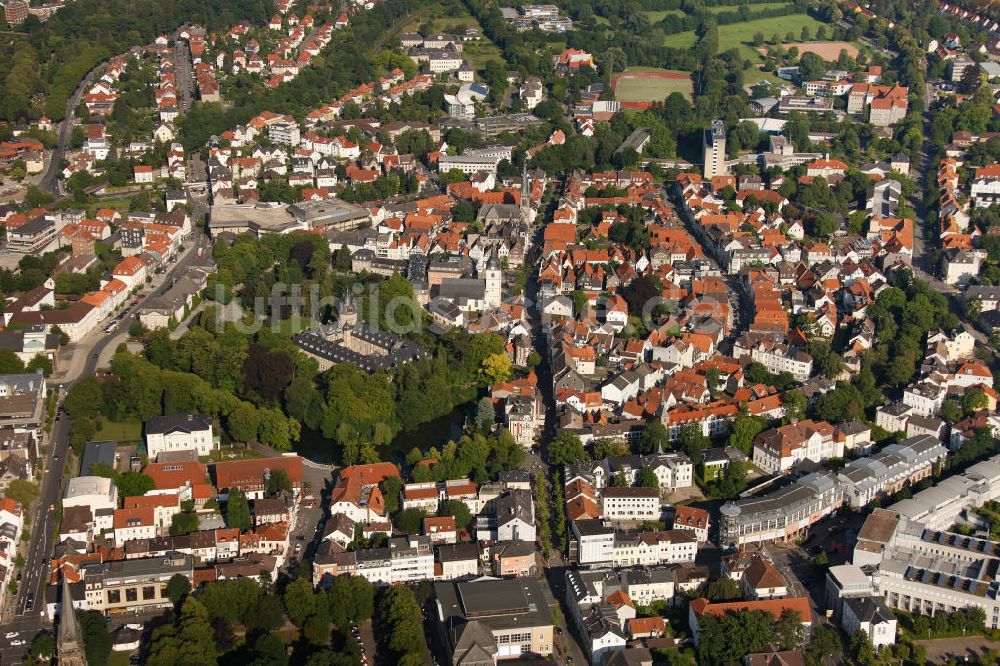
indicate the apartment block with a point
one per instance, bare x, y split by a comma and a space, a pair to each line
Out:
941, 506
889, 470
631, 503
779, 449
597, 544
133, 585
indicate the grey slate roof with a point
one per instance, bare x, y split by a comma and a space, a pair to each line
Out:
162, 425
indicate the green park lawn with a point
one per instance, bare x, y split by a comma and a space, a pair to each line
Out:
681, 40
481, 52
754, 75
121, 431
741, 34
651, 90
655, 16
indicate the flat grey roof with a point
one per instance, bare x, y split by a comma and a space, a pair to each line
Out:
269, 218
499, 604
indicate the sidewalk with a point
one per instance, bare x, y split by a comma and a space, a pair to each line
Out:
73, 358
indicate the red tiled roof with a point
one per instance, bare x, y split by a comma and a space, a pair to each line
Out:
645, 625
143, 514
690, 516
434, 524
773, 606
176, 474
420, 493
242, 473
151, 501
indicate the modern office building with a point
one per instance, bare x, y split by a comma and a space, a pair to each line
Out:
924, 570
941, 507
783, 514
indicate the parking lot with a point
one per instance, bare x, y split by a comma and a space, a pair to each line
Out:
950, 650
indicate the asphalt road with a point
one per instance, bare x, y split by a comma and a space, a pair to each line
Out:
553, 579
184, 75
29, 605
96, 351
29, 618
49, 182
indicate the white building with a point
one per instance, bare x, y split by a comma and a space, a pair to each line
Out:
780, 449
509, 517
714, 150
424, 496
132, 524
600, 606
412, 559
778, 359
985, 188
654, 548
284, 133
595, 542
762, 580
955, 346
179, 432
927, 571
871, 615
893, 417
645, 585
941, 506
891, 469
458, 561
783, 514
924, 397
11, 526
692, 518
672, 470
95, 492
960, 266
631, 503
469, 163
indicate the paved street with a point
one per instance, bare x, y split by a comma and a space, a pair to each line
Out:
803, 581
536, 462
84, 357
184, 75
567, 642
49, 182
29, 606
308, 528
97, 348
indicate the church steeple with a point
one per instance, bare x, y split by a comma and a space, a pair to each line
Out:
69, 640
527, 214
